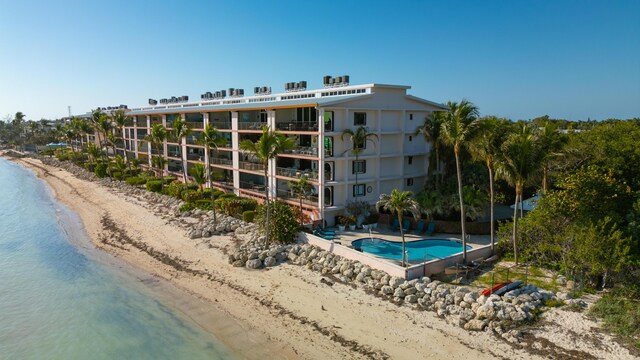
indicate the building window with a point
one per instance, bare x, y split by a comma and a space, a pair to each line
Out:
410, 116
358, 190
410, 182
360, 118
410, 160
359, 167
410, 138
328, 121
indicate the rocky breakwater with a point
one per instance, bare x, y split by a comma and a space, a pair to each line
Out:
253, 254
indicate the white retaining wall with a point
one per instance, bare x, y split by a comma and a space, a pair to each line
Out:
425, 269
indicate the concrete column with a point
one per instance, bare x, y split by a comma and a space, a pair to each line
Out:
205, 119
271, 179
183, 147
165, 148
321, 179
235, 141
378, 152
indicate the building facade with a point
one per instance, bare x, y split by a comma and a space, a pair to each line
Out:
316, 119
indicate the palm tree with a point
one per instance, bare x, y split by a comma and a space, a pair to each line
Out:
301, 188
485, 146
551, 143
398, 203
156, 137
121, 119
199, 176
266, 148
69, 134
520, 163
431, 130
181, 130
359, 139
211, 139
457, 126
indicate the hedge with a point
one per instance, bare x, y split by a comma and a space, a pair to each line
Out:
248, 216
136, 180
154, 185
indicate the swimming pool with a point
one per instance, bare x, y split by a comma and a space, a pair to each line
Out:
419, 250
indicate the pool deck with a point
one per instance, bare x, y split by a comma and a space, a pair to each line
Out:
385, 233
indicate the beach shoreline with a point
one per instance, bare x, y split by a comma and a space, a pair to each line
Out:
285, 311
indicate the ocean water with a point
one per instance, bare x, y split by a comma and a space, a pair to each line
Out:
59, 299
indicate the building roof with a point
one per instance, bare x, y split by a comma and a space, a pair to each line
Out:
197, 107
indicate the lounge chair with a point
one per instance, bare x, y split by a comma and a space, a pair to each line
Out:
419, 227
406, 225
396, 225
326, 237
431, 228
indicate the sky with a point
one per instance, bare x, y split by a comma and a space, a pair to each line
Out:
516, 59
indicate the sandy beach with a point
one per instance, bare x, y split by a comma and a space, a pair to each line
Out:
286, 311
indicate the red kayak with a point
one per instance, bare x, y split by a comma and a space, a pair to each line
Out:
495, 287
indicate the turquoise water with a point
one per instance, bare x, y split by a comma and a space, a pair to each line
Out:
58, 300
419, 250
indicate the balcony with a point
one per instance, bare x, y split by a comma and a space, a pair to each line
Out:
297, 173
174, 154
252, 166
196, 124
221, 161
154, 121
297, 126
303, 150
193, 139
252, 186
290, 195
195, 157
221, 125
251, 126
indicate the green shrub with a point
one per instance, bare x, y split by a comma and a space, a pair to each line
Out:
217, 193
229, 206
190, 195
135, 180
206, 194
283, 225
47, 152
117, 175
204, 204
169, 179
248, 216
187, 207
101, 169
174, 189
248, 204
147, 174
192, 186
154, 185
90, 166
619, 314
227, 196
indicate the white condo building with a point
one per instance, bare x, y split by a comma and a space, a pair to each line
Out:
397, 159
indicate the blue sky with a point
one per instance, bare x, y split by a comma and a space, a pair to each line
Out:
518, 59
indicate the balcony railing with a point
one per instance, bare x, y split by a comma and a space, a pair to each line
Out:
288, 194
251, 166
196, 124
221, 125
251, 125
303, 150
221, 161
252, 186
297, 126
193, 140
143, 147
153, 122
174, 154
297, 173
196, 157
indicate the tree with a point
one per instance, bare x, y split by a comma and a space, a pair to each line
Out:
457, 126
302, 188
430, 129
359, 139
156, 137
551, 143
211, 139
121, 119
181, 130
485, 146
520, 163
199, 176
265, 149
398, 203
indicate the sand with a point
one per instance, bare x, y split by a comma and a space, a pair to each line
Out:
286, 311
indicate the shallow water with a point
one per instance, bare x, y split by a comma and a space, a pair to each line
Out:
60, 299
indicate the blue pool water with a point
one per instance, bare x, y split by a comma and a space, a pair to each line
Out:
419, 250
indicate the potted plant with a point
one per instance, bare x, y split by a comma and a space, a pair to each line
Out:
342, 222
372, 220
351, 221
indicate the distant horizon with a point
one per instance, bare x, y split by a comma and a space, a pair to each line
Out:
571, 60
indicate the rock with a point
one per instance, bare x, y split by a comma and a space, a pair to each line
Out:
269, 261
386, 290
563, 296
412, 299
485, 311
254, 264
195, 234
252, 255
561, 280
409, 290
394, 282
239, 263
475, 325
577, 303
398, 293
